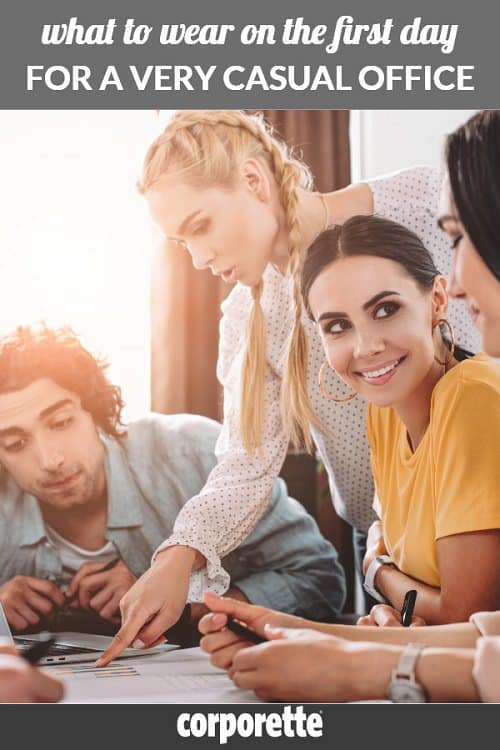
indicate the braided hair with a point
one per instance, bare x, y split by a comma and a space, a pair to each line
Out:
206, 147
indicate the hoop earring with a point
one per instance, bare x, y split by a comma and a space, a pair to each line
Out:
451, 352
326, 393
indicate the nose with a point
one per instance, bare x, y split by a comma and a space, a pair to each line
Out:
454, 288
202, 257
50, 457
367, 344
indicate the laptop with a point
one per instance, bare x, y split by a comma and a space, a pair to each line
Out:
71, 648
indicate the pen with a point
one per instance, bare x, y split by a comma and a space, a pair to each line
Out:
239, 629
408, 607
39, 649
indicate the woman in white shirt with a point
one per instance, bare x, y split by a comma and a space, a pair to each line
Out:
219, 184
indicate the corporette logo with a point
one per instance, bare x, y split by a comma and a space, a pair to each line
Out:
291, 722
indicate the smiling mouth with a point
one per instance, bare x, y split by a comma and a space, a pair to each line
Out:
381, 375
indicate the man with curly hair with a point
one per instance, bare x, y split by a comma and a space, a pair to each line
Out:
85, 502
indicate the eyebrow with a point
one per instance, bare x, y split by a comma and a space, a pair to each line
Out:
54, 407
372, 301
14, 430
186, 221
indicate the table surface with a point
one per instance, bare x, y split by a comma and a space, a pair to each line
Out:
180, 676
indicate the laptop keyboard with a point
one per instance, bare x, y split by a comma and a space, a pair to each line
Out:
57, 649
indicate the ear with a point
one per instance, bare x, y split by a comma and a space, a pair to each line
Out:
439, 298
256, 178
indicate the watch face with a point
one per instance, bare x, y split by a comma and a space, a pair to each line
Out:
403, 691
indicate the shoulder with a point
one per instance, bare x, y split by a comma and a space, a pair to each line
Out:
167, 433
416, 188
471, 388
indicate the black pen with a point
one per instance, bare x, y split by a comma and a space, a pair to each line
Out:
240, 629
39, 649
408, 607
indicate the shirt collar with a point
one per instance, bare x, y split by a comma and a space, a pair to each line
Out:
124, 497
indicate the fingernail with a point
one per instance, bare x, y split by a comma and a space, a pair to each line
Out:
219, 620
138, 643
272, 628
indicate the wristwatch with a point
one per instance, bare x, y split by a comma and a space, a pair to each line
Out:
369, 582
403, 688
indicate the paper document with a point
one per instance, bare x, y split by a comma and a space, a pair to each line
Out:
184, 676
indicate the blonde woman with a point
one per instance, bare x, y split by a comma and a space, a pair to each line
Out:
220, 184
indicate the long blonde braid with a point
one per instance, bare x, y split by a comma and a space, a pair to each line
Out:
207, 146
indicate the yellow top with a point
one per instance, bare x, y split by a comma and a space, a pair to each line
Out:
451, 483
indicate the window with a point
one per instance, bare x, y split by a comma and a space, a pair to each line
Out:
75, 235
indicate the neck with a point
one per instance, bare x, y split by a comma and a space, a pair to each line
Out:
416, 409
83, 525
311, 216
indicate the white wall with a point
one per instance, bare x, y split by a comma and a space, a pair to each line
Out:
385, 140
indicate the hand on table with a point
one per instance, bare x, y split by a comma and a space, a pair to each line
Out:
386, 616
99, 589
222, 644
22, 683
302, 665
26, 600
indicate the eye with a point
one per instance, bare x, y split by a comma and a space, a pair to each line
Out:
199, 228
385, 310
335, 327
61, 424
17, 446
455, 241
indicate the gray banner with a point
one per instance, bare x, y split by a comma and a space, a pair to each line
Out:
409, 55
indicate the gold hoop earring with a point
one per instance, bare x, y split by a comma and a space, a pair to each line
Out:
451, 352
324, 390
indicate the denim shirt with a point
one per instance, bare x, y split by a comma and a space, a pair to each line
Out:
163, 461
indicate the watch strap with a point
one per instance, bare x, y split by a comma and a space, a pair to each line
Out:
408, 661
403, 687
369, 582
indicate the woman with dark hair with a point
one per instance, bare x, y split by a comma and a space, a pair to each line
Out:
472, 218
380, 305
